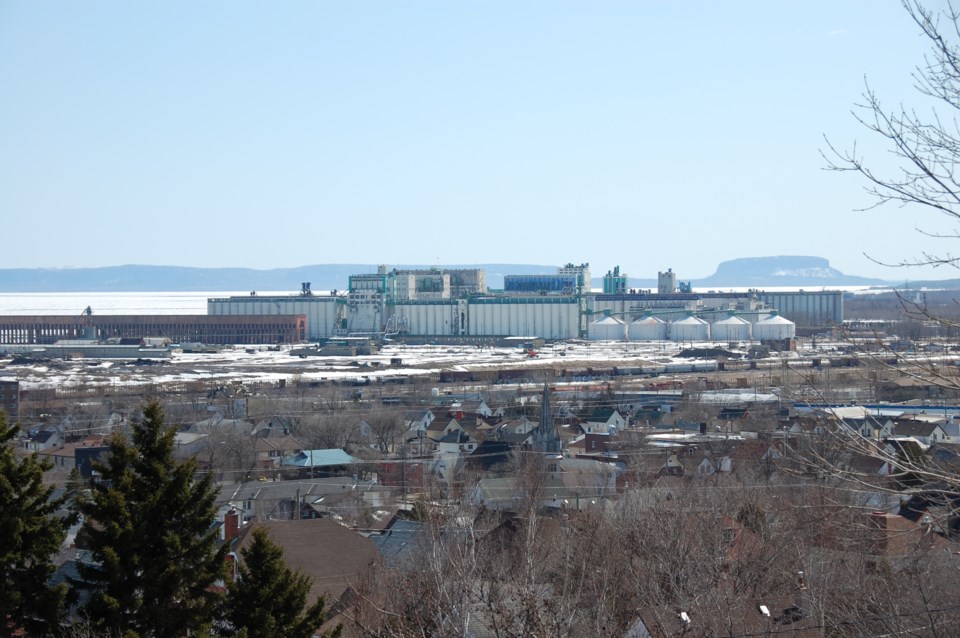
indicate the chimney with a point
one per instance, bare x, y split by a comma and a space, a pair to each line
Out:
231, 525
801, 599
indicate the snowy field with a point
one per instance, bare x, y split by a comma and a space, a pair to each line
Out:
268, 365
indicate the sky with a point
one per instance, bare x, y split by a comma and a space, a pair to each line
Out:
644, 134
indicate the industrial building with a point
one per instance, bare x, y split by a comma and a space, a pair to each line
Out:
450, 303
568, 280
615, 282
324, 314
455, 304
247, 329
810, 310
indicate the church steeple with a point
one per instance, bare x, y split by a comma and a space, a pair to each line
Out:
545, 437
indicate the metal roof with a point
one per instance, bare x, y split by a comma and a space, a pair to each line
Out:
319, 458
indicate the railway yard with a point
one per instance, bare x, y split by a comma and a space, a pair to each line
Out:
843, 370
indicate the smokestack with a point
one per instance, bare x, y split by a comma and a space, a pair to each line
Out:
231, 525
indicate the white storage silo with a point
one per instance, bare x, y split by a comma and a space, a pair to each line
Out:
607, 329
774, 328
690, 329
730, 329
648, 328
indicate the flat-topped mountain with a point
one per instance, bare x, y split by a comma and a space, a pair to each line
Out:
782, 271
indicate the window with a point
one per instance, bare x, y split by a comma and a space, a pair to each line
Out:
728, 535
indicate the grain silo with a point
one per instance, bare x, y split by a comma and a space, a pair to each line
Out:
690, 329
774, 328
608, 329
730, 329
648, 328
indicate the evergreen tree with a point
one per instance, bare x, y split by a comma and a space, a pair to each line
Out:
149, 525
30, 535
269, 598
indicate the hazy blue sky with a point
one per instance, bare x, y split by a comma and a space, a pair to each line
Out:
644, 134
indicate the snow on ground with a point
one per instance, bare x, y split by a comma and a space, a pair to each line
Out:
264, 365
270, 365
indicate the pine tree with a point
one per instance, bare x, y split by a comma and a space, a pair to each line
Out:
269, 598
149, 525
30, 534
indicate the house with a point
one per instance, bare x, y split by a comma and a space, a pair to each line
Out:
456, 442
327, 462
485, 428
871, 427
490, 453
951, 430
408, 474
263, 500
331, 555
595, 443
603, 420
521, 425
709, 466
443, 471
346, 499
850, 415
894, 540
442, 427
68, 575
43, 437
418, 420
271, 451
63, 458
897, 537
218, 422
586, 478
926, 431
946, 454
189, 444
672, 466
911, 387
91, 449
721, 615
469, 407
507, 494
805, 424
400, 540
275, 427
78, 455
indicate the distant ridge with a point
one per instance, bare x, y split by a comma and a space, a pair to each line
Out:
747, 272
133, 278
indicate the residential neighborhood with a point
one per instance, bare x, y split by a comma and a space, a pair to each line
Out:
838, 484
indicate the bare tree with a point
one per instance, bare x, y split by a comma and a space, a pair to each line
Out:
926, 141
228, 453
385, 427
325, 431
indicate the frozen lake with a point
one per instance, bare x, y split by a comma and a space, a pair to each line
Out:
116, 303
